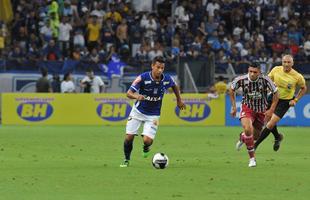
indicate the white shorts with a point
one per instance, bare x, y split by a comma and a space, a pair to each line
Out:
136, 118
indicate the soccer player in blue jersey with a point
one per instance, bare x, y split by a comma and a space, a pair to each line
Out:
148, 89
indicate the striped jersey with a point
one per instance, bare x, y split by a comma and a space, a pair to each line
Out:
254, 92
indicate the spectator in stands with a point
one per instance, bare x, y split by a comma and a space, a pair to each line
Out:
22, 38
43, 84
136, 37
107, 34
56, 83
211, 7
34, 53
65, 29
67, 85
114, 14
46, 32
93, 33
307, 47
67, 10
78, 39
51, 52
156, 51
92, 83
54, 24
17, 55
122, 34
94, 56
150, 27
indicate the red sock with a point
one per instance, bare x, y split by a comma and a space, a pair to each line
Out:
249, 141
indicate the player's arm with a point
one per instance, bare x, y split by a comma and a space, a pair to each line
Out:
270, 111
134, 95
233, 87
301, 92
176, 91
232, 96
275, 98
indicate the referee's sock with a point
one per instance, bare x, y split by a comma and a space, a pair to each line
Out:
275, 132
262, 137
127, 149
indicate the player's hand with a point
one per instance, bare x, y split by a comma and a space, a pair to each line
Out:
292, 102
268, 115
140, 97
233, 111
181, 105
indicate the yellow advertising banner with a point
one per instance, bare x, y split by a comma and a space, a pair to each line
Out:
104, 109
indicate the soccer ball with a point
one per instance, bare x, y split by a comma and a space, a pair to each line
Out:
160, 161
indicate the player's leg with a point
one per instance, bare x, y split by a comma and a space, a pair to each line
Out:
240, 142
256, 133
258, 125
131, 130
149, 132
278, 138
266, 131
249, 139
147, 142
245, 112
281, 109
128, 145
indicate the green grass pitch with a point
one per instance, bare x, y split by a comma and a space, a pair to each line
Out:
82, 163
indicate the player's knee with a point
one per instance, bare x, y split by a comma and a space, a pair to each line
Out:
129, 137
248, 130
147, 140
271, 124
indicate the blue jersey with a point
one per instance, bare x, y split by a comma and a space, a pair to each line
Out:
153, 92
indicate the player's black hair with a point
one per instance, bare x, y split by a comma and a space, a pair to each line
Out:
255, 65
89, 69
66, 75
159, 59
43, 71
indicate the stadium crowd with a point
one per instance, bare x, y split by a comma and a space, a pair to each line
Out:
235, 31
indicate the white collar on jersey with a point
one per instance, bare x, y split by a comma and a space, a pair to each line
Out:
163, 76
251, 80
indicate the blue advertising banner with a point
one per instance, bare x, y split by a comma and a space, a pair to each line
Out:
295, 116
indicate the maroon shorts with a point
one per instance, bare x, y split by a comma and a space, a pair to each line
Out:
256, 117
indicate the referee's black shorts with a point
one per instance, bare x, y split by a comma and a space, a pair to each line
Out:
282, 106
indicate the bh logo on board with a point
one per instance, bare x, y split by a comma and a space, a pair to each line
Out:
35, 111
113, 111
195, 111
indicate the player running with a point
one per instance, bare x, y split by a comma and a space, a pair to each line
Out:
254, 111
148, 89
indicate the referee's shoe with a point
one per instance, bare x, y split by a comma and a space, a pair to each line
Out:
277, 142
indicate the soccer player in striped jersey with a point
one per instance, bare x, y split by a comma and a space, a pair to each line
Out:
286, 79
148, 89
254, 104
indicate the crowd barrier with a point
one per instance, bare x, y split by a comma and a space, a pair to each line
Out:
104, 109
114, 109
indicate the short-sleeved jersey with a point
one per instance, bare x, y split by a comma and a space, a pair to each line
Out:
254, 92
153, 92
286, 82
